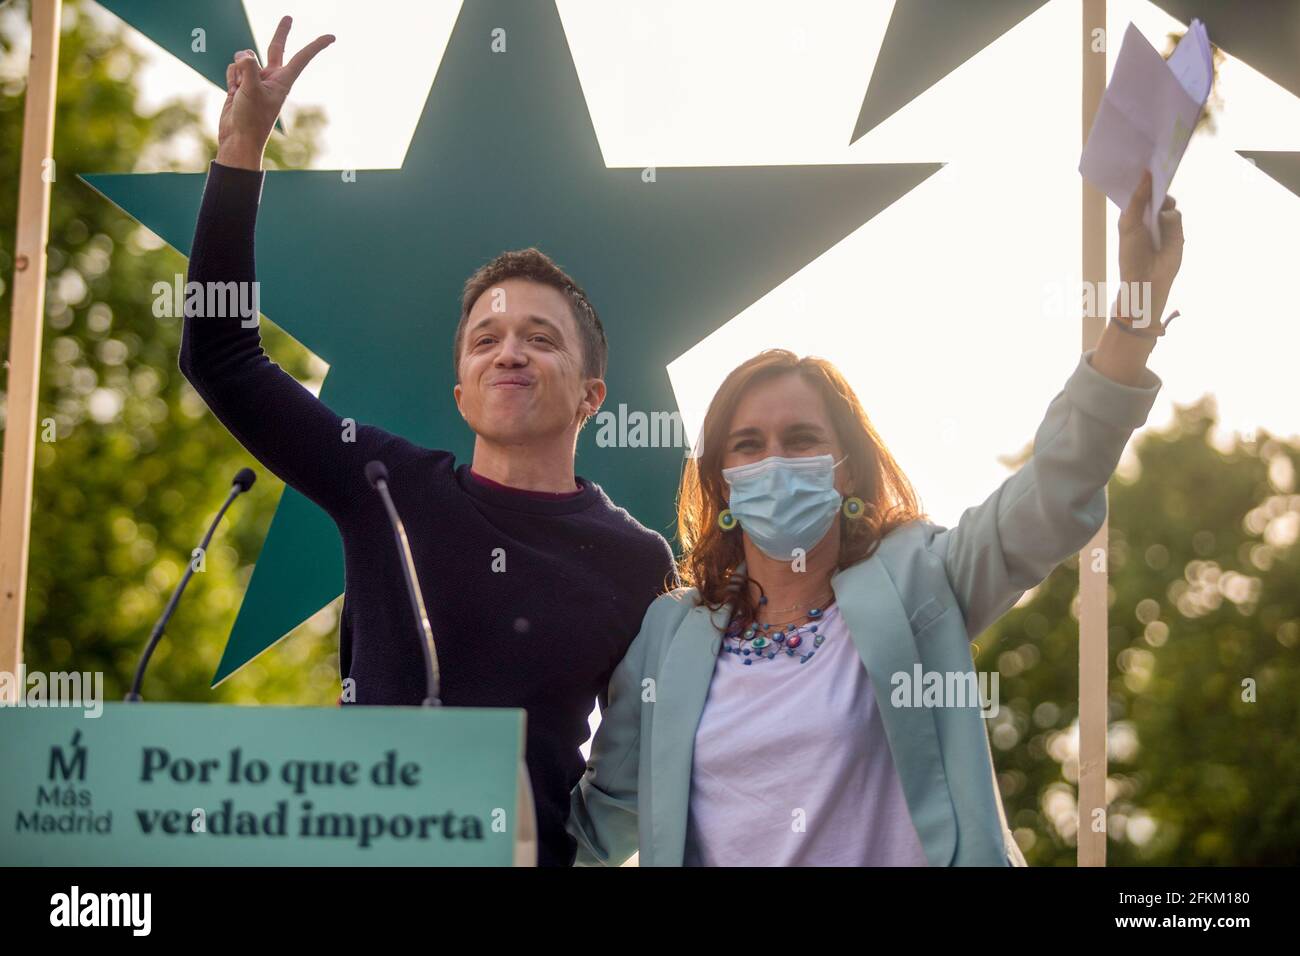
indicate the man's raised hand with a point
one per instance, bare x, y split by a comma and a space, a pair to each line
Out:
255, 95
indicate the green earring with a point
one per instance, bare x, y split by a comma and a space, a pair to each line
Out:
853, 507
726, 520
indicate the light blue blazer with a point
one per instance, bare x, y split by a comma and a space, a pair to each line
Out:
920, 600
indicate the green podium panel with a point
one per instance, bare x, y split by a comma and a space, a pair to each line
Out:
209, 785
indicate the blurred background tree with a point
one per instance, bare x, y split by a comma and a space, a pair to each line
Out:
1205, 583
1204, 741
138, 467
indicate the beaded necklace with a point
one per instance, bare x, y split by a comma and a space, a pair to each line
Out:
768, 640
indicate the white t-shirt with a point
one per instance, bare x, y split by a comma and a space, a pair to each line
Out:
792, 766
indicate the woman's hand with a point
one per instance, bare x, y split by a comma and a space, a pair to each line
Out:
1122, 355
255, 95
1140, 262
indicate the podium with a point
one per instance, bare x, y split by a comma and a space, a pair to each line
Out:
170, 784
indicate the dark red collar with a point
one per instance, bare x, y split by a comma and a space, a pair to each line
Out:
542, 495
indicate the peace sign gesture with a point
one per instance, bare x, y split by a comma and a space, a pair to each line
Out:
255, 95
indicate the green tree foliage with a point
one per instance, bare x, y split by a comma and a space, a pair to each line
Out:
1204, 741
138, 465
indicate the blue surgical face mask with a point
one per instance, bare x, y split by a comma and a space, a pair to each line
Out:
785, 504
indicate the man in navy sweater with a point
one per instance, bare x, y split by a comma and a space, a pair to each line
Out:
530, 353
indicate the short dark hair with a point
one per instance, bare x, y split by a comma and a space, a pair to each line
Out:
537, 266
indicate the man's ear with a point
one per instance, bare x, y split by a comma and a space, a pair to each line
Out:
593, 397
457, 392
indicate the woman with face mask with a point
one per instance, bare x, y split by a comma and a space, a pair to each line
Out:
810, 697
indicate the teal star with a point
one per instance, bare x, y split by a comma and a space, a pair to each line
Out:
1282, 166
367, 274
1263, 34
928, 39
924, 42
224, 25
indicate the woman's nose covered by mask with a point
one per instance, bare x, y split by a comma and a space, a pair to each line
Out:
785, 504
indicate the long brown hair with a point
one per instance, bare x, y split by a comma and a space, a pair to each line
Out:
710, 556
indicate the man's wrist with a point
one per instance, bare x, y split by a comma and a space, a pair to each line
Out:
240, 153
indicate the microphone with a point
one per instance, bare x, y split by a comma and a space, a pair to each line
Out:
377, 475
243, 481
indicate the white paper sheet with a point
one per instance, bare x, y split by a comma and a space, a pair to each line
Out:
1147, 116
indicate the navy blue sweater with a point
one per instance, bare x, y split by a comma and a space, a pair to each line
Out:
545, 635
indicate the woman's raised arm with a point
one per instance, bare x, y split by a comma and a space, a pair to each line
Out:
1056, 502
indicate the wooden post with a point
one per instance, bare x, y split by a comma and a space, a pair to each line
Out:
35, 174
1094, 643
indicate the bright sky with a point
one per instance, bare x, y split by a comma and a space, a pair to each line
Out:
940, 310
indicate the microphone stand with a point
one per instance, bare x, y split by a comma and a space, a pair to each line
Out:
377, 475
243, 481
